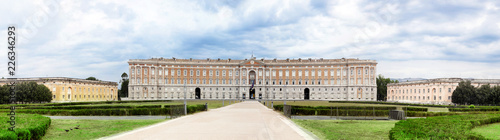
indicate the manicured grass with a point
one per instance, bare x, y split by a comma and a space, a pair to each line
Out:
491, 131
348, 129
91, 129
27, 126
443, 127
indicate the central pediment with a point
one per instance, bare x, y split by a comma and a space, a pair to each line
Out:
252, 62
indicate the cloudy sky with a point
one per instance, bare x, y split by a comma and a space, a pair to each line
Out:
424, 39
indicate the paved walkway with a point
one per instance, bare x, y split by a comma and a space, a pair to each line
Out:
241, 121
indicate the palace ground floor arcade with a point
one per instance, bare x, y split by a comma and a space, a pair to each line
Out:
344, 93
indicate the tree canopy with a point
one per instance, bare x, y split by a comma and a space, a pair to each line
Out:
466, 93
91, 78
27, 92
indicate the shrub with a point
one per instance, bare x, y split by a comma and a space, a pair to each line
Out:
471, 106
28, 126
443, 127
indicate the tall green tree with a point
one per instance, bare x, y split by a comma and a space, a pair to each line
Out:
27, 92
43, 93
382, 87
4, 94
123, 91
483, 94
465, 93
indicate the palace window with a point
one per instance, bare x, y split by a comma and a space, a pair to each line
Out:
274, 73
179, 73
210, 73
152, 71
306, 73
300, 72
293, 72
191, 73
146, 71
185, 72
319, 72
204, 72
223, 72
287, 73
217, 73
281, 73
172, 72
197, 72
166, 72
313, 72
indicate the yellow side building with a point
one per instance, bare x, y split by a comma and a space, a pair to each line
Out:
75, 90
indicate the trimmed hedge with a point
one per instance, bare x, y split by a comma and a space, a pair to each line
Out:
28, 127
92, 107
415, 109
473, 109
110, 112
443, 127
342, 110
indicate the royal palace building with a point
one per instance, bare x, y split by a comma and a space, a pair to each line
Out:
275, 79
432, 91
74, 90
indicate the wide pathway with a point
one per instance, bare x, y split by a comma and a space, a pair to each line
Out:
241, 121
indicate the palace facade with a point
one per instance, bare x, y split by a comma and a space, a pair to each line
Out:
276, 79
75, 90
432, 91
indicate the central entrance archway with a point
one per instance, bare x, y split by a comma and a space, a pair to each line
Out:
252, 94
306, 94
197, 94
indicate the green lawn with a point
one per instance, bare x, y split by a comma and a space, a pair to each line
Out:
91, 129
491, 131
348, 129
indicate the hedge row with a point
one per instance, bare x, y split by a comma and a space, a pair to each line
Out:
412, 104
443, 127
102, 102
28, 127
280, 107
473, 109
93, 107
415, 109
342, 111
110, 112
390, 103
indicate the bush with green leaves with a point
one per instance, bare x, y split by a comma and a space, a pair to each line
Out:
442, 127
28, 127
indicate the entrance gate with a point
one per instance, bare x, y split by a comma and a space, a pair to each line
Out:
306, 94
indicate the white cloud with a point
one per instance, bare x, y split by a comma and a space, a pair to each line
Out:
409, 39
